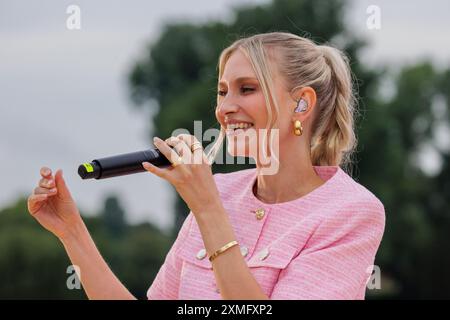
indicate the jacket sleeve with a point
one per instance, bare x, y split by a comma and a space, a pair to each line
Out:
166, 283
337, 261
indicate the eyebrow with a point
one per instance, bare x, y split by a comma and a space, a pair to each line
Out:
239, 80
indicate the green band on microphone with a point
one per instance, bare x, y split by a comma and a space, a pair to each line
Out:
88, 167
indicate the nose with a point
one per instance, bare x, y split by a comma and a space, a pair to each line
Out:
226, 108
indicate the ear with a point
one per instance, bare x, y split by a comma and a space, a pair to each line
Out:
309, 95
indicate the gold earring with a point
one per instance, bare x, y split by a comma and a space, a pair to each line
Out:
298, 129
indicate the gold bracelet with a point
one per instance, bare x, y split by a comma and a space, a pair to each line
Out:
223, 249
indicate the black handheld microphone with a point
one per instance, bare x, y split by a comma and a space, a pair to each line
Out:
122, 164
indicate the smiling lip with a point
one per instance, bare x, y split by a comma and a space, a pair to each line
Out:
233, 132
233, 121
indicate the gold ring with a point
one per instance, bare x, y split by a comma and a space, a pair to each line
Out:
178, 162
195, 146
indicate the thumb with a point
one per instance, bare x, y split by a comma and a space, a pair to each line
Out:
154, 169
63, 191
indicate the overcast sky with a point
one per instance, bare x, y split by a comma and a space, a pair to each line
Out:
64, 98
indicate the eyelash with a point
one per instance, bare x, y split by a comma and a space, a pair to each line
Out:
222, 93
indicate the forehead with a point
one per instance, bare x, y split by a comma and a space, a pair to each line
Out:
237, 68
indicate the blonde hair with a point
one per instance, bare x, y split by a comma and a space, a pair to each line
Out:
300, 63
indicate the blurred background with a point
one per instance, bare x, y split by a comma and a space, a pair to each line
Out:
70, 93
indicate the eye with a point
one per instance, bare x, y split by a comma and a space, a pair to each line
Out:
245, 89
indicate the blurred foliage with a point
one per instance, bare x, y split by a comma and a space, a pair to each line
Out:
34, 264
177, 78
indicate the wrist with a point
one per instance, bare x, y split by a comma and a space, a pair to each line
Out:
216, 229
207, 210
75, 233
214, 222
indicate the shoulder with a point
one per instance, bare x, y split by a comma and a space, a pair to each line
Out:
357, 207
353, 218
359, 197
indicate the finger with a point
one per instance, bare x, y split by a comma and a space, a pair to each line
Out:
155, 170
199, 155
171, 139
172, 142
33, 198
40, 190
35, 202
188, 138
63, 190
46, 183
180, 147
167, 151
46, 172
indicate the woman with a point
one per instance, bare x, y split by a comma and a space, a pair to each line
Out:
304, 231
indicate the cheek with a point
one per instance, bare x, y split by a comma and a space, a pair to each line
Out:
218, 118
255, 107
285, 124
286, 128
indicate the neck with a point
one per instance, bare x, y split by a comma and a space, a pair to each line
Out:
295, 178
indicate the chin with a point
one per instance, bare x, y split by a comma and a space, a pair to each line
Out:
247, 144
243, 143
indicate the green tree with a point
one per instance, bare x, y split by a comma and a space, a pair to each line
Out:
34, 264
114, 216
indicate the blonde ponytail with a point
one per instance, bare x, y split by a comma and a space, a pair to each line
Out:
334, 138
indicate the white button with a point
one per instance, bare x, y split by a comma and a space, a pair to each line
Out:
244, 251
201, 254
264, 253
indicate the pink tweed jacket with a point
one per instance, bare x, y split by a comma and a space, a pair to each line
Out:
319, 246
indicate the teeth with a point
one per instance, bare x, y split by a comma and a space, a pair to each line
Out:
240, 125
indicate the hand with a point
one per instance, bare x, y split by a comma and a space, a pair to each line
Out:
190, 173
52, 205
